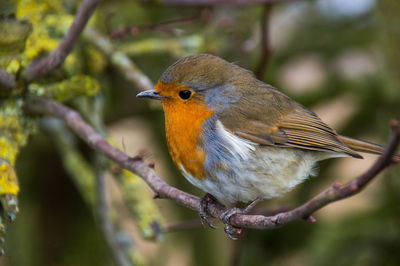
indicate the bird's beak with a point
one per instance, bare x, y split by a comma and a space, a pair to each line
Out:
150, 94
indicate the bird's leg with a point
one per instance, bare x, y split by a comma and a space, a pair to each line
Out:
208, 198
234, 232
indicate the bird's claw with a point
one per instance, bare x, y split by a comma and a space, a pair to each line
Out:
203, 209
232, 232
235, 232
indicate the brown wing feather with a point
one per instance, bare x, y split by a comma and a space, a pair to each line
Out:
280, 121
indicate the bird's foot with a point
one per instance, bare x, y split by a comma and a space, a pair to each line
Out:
235, 232
231, 231
207, 199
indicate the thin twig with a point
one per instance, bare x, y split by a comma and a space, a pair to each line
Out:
196, 223
223, 2
6, 81
42, 66
163, 190
265, 46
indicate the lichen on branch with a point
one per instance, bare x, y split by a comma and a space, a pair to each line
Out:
15, 128
68, 89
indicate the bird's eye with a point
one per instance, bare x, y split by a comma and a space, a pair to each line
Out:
185, 94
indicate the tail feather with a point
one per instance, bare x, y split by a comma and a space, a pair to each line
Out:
364, 146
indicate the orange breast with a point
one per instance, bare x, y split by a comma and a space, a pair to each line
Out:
184, 122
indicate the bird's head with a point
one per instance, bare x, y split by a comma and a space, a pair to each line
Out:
200, 80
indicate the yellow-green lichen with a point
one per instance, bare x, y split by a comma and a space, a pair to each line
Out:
46, 36
13, 34
13, 66
97, 62
79, 85
8, 179
8, 149
136, 257
15, 129
142, 205
138, 199
84, 177
46, 20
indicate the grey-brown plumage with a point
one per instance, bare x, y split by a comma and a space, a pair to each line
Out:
265, 115
254, 142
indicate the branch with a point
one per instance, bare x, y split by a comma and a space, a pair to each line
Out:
163, 190
106, 223
6, 81
222, 2
265, 48
41, 67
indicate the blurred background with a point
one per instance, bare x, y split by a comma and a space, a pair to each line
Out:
340, 58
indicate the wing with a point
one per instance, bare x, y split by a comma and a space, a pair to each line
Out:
268, 117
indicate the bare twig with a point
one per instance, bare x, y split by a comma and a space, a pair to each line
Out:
265, 48
163, 190
223, 2
41, 67
270, 211
6, 81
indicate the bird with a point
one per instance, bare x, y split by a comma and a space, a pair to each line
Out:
239, 139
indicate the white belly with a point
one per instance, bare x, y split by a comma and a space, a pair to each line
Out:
240, 171
270, 173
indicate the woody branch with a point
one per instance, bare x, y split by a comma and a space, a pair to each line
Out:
6, 81
41, 67
163, 190
265, 45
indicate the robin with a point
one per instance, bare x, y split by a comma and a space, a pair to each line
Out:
238, 139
